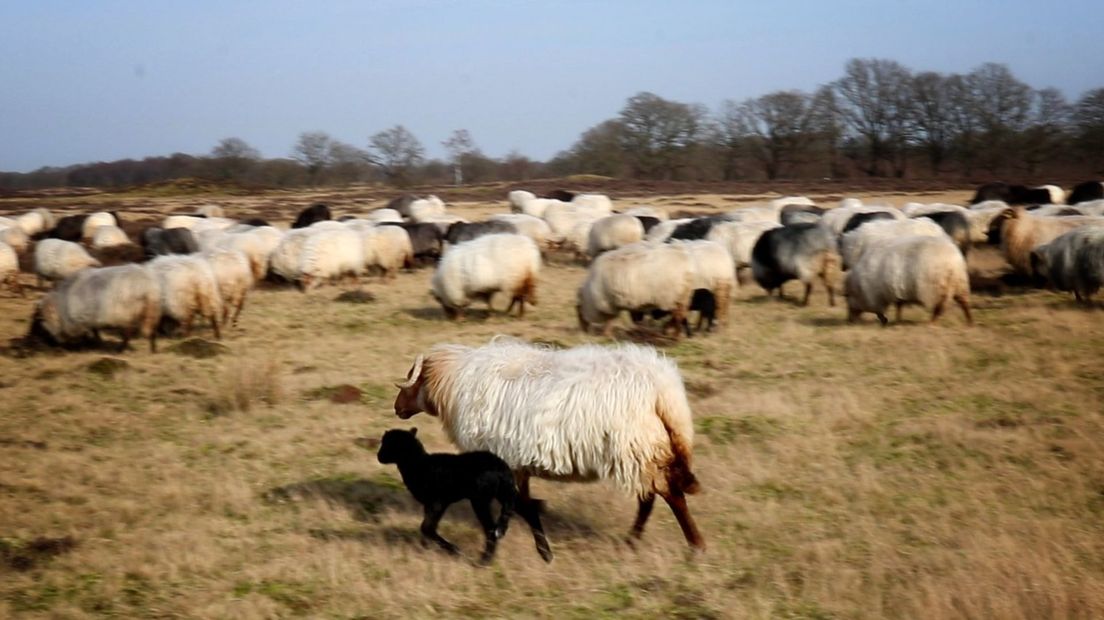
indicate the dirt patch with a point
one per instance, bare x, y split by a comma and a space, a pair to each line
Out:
25, 556
107, 366
199, 348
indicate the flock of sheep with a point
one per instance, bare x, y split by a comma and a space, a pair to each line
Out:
591, 412
200, 267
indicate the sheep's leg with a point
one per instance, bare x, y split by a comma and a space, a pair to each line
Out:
900, 304
238, 309
126, 333
937, 311
853, 315
643, 511
882, 318
215, 326
965, 305
831, 291
433, 514
482, 508
529, 509
677, 502
808, 292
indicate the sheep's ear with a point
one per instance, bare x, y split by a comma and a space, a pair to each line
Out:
414, 431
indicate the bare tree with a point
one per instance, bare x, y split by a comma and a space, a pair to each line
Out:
1001, 105
460, 143
932, 117
312, 149
396, 151
347, 163
827, 123
874, 102
1047, 130
233, 157
776, 127
597, 151
657, 134
1088, 122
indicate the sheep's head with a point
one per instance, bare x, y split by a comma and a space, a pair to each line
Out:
411, 399
397, 444
45, 322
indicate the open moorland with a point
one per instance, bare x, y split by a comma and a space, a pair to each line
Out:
848, 471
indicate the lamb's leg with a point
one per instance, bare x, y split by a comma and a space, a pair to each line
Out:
965, 305
433, 514
643, 511
828, 287
677, 502
529, 509
482, 508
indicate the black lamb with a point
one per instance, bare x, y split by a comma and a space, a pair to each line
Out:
440, 480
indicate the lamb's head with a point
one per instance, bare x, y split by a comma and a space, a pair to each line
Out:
397, 445
411, 399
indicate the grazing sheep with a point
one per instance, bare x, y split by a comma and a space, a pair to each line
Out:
109, 237
599, 203
929, 271
328, 255
234, 276
68, 228
55, 259
388, 249
464, 231
528, 225
564, 217
581, 414
612, 232
711, 269
35, 221
1018, 233
1073, 261
317, 212
16, 237
956, 225
1018, 194
802, 252
532, 205
9, 269
753, 214
642, 277
425, 240
427, 209
188, 289
854, 243
439, 480
256, 243
859, 219
662, 231
401, 204
384, 215
1084, 192
284, 260
506, 263
126, 299
697, 228
210, 210
1091, 207
739, 239
94, 221
160, 242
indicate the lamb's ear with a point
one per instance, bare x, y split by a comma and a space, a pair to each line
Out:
414, 431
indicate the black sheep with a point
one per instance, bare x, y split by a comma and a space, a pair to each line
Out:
861, 218
696, 228
560, 194
317, 212
1084, 192
160, 241
425, 238
648, 222
465, 231
68, 228
440, 480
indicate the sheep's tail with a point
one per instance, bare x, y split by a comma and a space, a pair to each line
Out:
679, 476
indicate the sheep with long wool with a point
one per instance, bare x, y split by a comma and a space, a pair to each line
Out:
639, 277
836, 219
531, 226
582, 414
329, 255
189, 290
802, 252
853, 243
13, 235
9, 268
1074, 261
109, 237
95, 220
126, 299
711, 269
387, 249
1019, 232
234, 277
914, 269
55, 259
612, 232
503, 263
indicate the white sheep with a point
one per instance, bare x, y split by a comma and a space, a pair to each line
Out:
612, 232
581, 414
181, 221
126, 299
1091, 207
426, 209
9, 269
663, 230
234, 277
94, 221
384, 215
36, 221
387, 249
329, 255
929, 271
257, 244
1057, 194
478, 269
518, 198
188, 289
836, 219
637, 277
854, 242
564, 217
778, 203
284, 260
598, 203
533, 227
210, 210
739, 238
109, 237
754, 214
15, 236
55, 259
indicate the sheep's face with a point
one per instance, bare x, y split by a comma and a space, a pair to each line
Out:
398, 443
411, 398
45, 323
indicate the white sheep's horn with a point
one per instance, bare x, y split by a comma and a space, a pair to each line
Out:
414, 373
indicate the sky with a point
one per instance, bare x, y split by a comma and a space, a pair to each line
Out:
99, 80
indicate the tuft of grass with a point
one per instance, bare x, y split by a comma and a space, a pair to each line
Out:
244, 385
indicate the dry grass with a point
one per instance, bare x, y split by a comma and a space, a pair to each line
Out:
849, 471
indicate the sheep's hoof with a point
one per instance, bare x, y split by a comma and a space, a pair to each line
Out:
546, 554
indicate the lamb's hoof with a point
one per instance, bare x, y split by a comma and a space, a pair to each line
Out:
545, 553
485, 559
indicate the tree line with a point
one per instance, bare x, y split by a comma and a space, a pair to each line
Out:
879, 119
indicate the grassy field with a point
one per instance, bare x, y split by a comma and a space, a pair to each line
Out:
849, 471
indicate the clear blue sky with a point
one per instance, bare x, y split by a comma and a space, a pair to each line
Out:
90, 80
